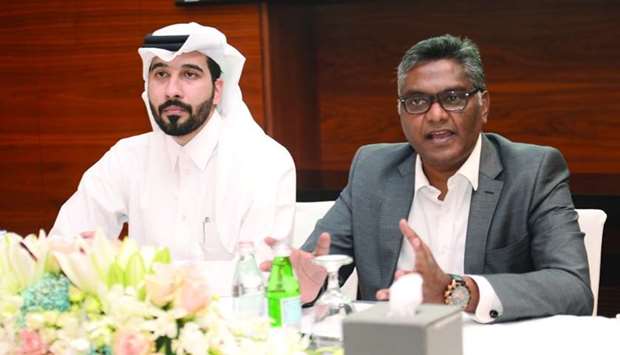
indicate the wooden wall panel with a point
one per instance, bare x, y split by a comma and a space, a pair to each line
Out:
71, 85
292, 91
551, 69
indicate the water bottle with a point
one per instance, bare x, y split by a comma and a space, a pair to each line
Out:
283, 292
248, 288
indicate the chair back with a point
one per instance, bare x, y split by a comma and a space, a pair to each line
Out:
591, 222
306, 216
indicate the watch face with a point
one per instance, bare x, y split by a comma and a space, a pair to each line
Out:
460, 296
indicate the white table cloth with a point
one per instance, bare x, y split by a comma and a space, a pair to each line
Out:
557, 335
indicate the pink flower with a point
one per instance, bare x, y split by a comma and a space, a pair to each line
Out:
161, 286
129, 343
193, 295
31, 343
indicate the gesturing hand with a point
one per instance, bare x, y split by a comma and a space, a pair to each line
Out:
311, 276
434, 279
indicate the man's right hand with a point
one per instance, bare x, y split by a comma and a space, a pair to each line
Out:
311, 276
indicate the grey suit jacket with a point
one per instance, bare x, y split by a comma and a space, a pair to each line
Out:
522, 232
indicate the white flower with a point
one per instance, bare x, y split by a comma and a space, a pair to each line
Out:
71, 338
220, 337
164, 324
7, 336
100, 331
18, 268
257, 328
102, 251
80, 345
5, 347
192, 340
128, 249
35, 320
69, 322
9, 305
79, 267
286, 341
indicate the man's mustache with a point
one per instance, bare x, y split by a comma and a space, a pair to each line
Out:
180, 104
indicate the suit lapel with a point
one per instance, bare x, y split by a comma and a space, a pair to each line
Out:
482, 208
395, 204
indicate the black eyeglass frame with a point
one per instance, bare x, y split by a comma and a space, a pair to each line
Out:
433, 98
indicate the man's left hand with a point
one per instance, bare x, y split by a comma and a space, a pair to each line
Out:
434, 280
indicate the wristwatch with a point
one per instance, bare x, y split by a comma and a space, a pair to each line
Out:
457, 293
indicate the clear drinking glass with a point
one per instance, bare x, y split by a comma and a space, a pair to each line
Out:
333, 305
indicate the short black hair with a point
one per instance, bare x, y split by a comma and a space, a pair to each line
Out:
462, 50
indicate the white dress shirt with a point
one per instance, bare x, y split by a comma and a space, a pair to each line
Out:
442, 225
167, 195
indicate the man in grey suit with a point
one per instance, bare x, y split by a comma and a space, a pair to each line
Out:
488, 224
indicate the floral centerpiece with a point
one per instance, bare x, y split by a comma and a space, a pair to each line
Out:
97, 296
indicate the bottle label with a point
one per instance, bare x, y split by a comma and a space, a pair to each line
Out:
250, 305
290, 309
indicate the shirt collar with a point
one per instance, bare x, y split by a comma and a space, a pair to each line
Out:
470, 169
201, 147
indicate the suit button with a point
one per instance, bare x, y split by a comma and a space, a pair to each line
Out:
493, 314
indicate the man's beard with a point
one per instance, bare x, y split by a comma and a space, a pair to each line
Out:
193, 122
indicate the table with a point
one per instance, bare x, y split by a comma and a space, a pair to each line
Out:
562, 334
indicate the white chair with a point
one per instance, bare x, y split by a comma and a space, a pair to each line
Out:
306, 216
591, 223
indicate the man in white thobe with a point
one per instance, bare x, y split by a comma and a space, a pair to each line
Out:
205, 178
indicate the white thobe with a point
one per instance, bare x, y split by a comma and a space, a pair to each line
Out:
166, 194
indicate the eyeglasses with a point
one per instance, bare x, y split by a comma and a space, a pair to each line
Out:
450, 100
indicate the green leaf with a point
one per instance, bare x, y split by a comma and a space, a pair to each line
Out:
164, 343
162, 256
115, 275
134, 274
